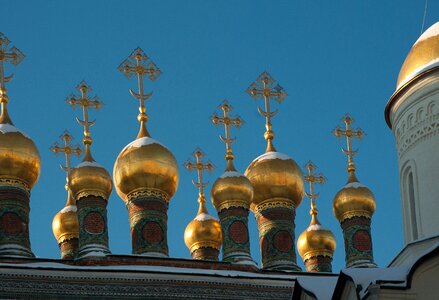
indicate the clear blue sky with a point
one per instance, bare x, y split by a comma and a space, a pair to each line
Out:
331, 57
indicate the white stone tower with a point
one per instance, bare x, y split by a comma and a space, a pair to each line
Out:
413, 115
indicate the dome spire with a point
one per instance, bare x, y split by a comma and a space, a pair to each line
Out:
228, 122
350, 134
316, 245
14, 57
140, 64
85, 102
203, 234
65, 224
200, 167
263, 88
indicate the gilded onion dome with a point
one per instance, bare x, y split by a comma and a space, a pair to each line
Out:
145, 165
275, 176
231, 189
353, 200
65, 225
423, 56
204, 231
20, 161
316, 240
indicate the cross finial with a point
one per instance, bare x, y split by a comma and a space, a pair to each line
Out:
313, 178
85, 102
350, 134
68, 151
200, 167
138, 63
264, 88
228, 122
14, 57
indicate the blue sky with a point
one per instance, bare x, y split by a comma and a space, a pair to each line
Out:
331, 57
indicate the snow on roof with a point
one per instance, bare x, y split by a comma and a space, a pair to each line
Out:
231, 174
6, 128
272, 155
144, 141
204, 217
89, 164
315, 227
69, 208
322, 287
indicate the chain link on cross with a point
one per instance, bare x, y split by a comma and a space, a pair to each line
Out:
313, 178
200, 167
350, 134
14, 57
228, 122
68, 149
138, 63
264, 88
85, 102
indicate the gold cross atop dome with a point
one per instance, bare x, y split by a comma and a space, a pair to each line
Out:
140, 64
14, 57
68, 151
228, 122
199, 166
85, 102
264, 88
313, 178
350, 134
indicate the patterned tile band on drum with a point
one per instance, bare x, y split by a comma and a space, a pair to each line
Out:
236, 242
277, 238
358, 242
93, 229
148, 225
14, 221
319, 263
205, 253
69, 248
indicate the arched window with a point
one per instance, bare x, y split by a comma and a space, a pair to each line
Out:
412, 203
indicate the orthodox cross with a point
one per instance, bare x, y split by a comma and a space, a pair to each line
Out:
228, 122
139, 63
68, 151
14, 57
350, 134
264, 88
200, 167
85, 102
313, 178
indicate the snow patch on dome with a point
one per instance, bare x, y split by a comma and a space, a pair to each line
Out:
144, 141
231, 174
354, 185
204, 217
6, 128
69, 208
89, 164
430, 32
315, 227
272, 155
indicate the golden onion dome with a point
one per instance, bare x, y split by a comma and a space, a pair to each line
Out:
316, 240
90, 178
275, 176
19, 157
353, 200
231, 189
204, 231
65, 225
423, 56
145, 164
